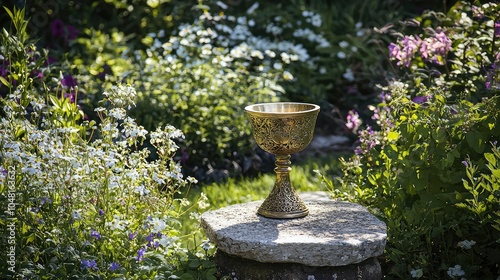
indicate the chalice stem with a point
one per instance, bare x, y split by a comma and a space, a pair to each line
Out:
282, 170
283, 201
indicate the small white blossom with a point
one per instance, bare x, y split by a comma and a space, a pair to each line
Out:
455, 271
221, 5
416, 273
343, 44
158, 225
466, 244
252, 8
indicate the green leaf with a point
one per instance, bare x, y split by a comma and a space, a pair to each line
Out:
392, 136
475, 141
496, 172
491, 158
4, 81
9, 12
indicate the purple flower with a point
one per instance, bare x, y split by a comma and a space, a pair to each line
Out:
405, 50
95, 234
394, 50
89, 264
3, 71
353, 121
150, 237
140, 254
420, 99
497, 29
68, 81
70, 96
464, 162
50, 60
57, 27
132, 235
72, 32
435, 48
60, 30
114, 266
101, 212
477, 12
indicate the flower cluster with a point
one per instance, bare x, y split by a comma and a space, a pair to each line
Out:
433, 49
89, 188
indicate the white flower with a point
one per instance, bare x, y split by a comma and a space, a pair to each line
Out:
117, 113
257, 53
76, 215
202, 202
341, 55
316, 20
466, 244
141, 190
270, 53
116, 223
253, 8
455, 271
348, 75
343, 44
158, 225
287, 76
277, 66
222, 5
416, 273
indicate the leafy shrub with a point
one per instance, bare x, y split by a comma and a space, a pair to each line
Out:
82, 208
201, 79
430, 170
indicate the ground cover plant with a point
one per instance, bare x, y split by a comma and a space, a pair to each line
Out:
430, 169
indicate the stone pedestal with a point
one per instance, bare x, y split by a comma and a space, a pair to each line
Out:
337, 240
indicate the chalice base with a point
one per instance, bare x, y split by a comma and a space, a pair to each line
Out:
283, 203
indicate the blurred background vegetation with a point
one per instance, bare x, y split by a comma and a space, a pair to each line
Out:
328, 53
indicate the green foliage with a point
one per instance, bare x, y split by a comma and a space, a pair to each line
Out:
430, 170
82, 201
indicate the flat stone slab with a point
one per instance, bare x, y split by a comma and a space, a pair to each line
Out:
335, 233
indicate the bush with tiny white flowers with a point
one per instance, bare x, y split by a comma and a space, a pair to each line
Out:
86, 201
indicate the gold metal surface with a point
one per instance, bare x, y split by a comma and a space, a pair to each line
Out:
282, 129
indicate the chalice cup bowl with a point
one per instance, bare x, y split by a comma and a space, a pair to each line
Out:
282, 129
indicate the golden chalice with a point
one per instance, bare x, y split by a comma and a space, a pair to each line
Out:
282, 129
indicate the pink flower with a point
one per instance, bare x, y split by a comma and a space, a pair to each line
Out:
353, 121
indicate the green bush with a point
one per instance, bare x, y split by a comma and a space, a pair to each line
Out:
430, 170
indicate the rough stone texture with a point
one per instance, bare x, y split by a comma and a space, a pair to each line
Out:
333, 234
232, 267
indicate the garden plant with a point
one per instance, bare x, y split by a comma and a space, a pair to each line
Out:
430, 167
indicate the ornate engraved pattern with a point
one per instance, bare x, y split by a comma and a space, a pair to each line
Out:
283, 133
283, 201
